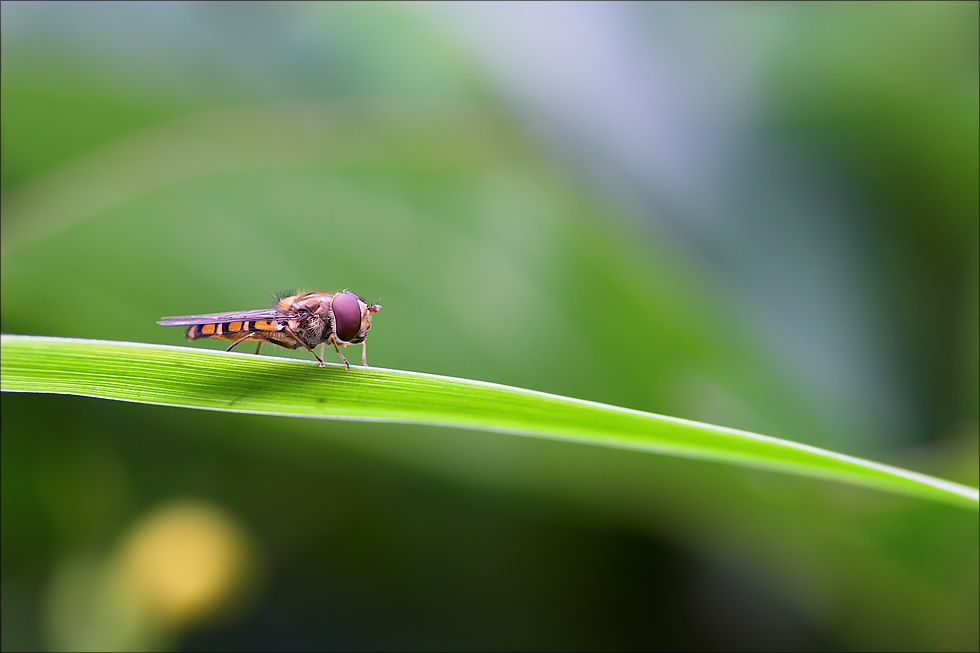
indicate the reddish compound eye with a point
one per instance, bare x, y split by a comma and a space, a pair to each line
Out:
346, 315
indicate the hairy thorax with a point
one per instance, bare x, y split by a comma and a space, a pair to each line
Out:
313, 329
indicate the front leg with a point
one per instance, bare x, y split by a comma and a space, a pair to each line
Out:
341, 355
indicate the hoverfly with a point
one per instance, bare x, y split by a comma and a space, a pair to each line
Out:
304, 320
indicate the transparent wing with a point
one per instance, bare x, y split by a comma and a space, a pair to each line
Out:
233, 316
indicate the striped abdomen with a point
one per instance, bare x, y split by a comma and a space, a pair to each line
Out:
233, 330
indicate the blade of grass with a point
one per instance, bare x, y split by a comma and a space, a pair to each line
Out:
211, 380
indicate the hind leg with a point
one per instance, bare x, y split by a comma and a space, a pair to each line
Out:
261, 338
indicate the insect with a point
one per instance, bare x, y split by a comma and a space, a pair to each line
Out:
304, 320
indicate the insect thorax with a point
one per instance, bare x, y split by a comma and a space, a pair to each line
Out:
313, 329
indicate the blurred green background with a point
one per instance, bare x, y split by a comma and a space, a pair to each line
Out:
762, 216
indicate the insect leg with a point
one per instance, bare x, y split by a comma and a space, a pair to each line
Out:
303, 342
341, 355
364, 354
241, 340
257, 336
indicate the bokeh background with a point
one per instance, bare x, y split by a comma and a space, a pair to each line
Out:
763, 216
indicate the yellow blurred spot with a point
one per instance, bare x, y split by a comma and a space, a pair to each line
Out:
185, 561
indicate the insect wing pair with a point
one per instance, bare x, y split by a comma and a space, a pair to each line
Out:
304, 320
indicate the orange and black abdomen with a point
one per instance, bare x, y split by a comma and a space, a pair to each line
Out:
230, 330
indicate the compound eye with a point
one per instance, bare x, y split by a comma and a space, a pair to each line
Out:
346, 315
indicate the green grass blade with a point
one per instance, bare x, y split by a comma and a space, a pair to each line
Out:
197, 378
